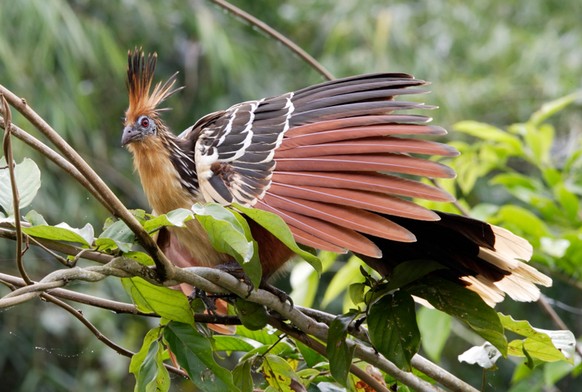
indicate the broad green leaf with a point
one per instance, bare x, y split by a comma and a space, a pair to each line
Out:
175, 218
265, 336
279, 374
62, 232
116, 235
392, 328
539, 140
309, 355
27, 175
548, 346
516, 218
168, 303
194, 353
435, 328
338, 351
242, 376
253, 316
231, 235
231, 343
148, 367
347, 274
463, 304
568, 201
487, 132
276, 226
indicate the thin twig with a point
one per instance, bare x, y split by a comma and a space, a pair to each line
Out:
7, 146
278, 36
55, 157
101, 337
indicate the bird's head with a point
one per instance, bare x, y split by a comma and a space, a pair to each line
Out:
142, 119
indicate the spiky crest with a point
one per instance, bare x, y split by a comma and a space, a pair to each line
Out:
140, 75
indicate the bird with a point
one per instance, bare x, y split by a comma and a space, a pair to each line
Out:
341, 162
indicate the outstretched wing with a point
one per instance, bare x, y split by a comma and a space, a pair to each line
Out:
328, 159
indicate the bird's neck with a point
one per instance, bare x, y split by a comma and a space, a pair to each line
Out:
162, 182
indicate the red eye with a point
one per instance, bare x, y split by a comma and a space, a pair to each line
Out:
144, 122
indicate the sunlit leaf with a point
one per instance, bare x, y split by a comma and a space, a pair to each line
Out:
168, 303
62, 232
242, 376
548, 346
280, 375
175, 218
231, 235
194, 353
276, 226
27, 175
392, 328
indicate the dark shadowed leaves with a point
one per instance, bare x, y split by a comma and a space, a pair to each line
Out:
393, 329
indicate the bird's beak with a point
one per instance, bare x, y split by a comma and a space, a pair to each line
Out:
130, 134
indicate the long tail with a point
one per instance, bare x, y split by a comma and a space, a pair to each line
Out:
487, 259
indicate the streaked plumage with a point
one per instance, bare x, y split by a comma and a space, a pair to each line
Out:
339, 162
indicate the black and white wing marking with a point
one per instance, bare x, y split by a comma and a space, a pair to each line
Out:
234, 152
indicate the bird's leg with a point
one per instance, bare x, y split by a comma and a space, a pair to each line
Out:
237, 271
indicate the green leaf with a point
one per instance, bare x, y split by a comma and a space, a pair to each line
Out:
168, 303
550, 108
194, 353
487, 132
230, 234
252, 315
539, 140
175, 218
62, 232
27, 175
392, 328
435, 328
116, 236
279, 374
338, 351
309, 355
264, 336
547, 346
242, 376
147, 365
568, 201
231, 343
464, 305
276, 226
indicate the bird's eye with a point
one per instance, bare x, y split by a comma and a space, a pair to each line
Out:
144, 122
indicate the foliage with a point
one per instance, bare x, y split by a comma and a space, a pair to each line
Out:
78, 49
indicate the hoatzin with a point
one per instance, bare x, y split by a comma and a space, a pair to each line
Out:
339, 162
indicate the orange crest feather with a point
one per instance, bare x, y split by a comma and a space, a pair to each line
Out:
140, 75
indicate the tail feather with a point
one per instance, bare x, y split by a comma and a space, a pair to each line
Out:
489, 260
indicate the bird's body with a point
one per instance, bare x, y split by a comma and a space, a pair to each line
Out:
338, 162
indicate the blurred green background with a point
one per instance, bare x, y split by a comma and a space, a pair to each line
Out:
493, 61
